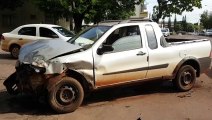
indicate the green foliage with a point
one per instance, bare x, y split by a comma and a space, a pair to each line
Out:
178, 27
89, 10
10, 4
191, 27
206, 20
167, 7
184, 23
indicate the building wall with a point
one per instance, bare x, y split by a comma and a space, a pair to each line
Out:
140, 11
29, 13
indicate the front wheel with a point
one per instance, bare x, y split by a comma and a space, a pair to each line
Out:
185, 79
66, 96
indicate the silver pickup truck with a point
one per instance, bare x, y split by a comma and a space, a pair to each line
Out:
108, 54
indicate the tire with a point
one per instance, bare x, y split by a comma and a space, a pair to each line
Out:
185, 79
14, 50
66, 95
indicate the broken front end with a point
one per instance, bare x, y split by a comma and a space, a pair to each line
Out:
27, 79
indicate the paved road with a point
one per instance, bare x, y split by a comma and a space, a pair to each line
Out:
148, 101
5, 58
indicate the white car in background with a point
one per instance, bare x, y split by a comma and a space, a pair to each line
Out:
12, 41
165, 32
208, 32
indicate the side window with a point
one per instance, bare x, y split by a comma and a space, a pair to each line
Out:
27, 31
151, 38
125, 38
45, 32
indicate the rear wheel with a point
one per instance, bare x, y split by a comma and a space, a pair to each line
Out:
66, 96
185, 78
14, 50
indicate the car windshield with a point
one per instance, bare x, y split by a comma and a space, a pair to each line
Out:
89, 36
163, 30
64, 31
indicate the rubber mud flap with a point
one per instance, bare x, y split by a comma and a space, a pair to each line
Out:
10, 84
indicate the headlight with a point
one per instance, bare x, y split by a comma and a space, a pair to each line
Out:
39, 61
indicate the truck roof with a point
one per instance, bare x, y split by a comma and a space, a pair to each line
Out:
115, 22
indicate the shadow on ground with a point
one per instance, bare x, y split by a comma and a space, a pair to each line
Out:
28, 105
6, 56
22, 104
112, 94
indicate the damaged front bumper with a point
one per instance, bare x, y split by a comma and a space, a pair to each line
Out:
27, 78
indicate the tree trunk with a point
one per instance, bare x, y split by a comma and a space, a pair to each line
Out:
78, 18
71, 22
159, 15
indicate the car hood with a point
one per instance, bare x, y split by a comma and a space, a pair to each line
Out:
46, 49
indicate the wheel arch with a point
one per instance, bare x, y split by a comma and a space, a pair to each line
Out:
192, 61
12, 45
81, 79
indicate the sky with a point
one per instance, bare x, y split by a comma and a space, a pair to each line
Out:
192, 17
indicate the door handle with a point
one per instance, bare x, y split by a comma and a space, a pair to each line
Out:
141, 53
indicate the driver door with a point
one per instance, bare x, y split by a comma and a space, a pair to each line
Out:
126, 62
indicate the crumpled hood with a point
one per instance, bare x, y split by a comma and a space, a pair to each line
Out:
47, 48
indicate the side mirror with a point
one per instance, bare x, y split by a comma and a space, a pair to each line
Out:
104, 48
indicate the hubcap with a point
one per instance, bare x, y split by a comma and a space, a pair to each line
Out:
186, 78
15, 52
66, 95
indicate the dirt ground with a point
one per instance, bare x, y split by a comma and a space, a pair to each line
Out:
147, 101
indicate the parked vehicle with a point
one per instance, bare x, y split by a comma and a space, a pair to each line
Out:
208, 32
108, 54
12, 41
165, 31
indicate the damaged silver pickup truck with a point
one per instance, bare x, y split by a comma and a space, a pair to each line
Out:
108, 54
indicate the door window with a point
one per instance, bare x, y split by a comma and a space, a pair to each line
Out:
151, 38
27, 31
45, 32
125, 38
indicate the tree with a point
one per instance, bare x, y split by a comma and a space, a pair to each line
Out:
170, 24
175, 23
89, 10
10, 4
163, 24
191, 27
184, 23
178, 27
167, 7
206, 20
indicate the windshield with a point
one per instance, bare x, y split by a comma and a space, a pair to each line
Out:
64, 31
164, 30
89, 36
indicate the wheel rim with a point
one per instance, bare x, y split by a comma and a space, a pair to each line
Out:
15, 52
66, 94
186, 78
